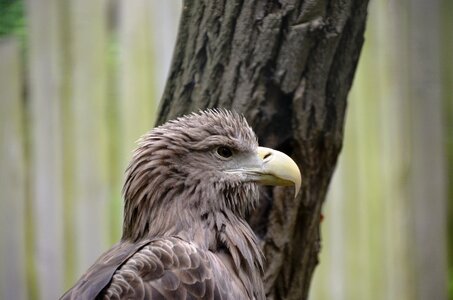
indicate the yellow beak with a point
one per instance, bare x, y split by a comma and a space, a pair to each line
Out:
278, 169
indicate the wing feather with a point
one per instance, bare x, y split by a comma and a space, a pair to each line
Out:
100, 274
164, 268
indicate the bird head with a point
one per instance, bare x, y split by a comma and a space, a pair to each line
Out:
207, 161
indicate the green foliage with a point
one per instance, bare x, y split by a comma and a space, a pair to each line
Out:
12, 19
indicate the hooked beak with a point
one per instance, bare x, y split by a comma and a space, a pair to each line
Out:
279, 169
275, 168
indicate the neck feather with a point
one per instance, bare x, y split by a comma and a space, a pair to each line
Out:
161, 200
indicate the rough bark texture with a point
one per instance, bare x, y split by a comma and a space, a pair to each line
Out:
288, 67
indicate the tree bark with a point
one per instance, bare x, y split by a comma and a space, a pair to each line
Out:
288, 67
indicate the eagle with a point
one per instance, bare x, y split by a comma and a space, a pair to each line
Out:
187, 191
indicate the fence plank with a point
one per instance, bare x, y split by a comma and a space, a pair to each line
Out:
44, 32
428, 192
447, 86
136, 83
89, 138
395, 140
12, 174
164, 23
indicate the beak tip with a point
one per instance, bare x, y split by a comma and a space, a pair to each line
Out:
283, 168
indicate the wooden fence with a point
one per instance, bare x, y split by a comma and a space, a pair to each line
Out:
71, 109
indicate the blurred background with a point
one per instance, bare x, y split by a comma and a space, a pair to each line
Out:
80, 81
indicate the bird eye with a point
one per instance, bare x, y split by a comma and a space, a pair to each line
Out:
224, 152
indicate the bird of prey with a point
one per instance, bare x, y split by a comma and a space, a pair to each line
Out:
187, 189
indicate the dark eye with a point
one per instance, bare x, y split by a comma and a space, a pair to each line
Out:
224, 152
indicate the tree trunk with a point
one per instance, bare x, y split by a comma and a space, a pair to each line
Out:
288, 67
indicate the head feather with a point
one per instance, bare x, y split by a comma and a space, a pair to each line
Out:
169, 171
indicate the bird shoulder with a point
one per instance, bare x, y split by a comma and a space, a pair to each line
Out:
161, 268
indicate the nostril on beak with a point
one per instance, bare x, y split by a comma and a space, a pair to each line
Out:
267, 155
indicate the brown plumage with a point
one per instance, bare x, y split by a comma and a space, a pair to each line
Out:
187, 189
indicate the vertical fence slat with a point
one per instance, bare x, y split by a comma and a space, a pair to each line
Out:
428, 192
136, 84
44, 24
394, 114
447, 86
89, 138
164, 22
12, 174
